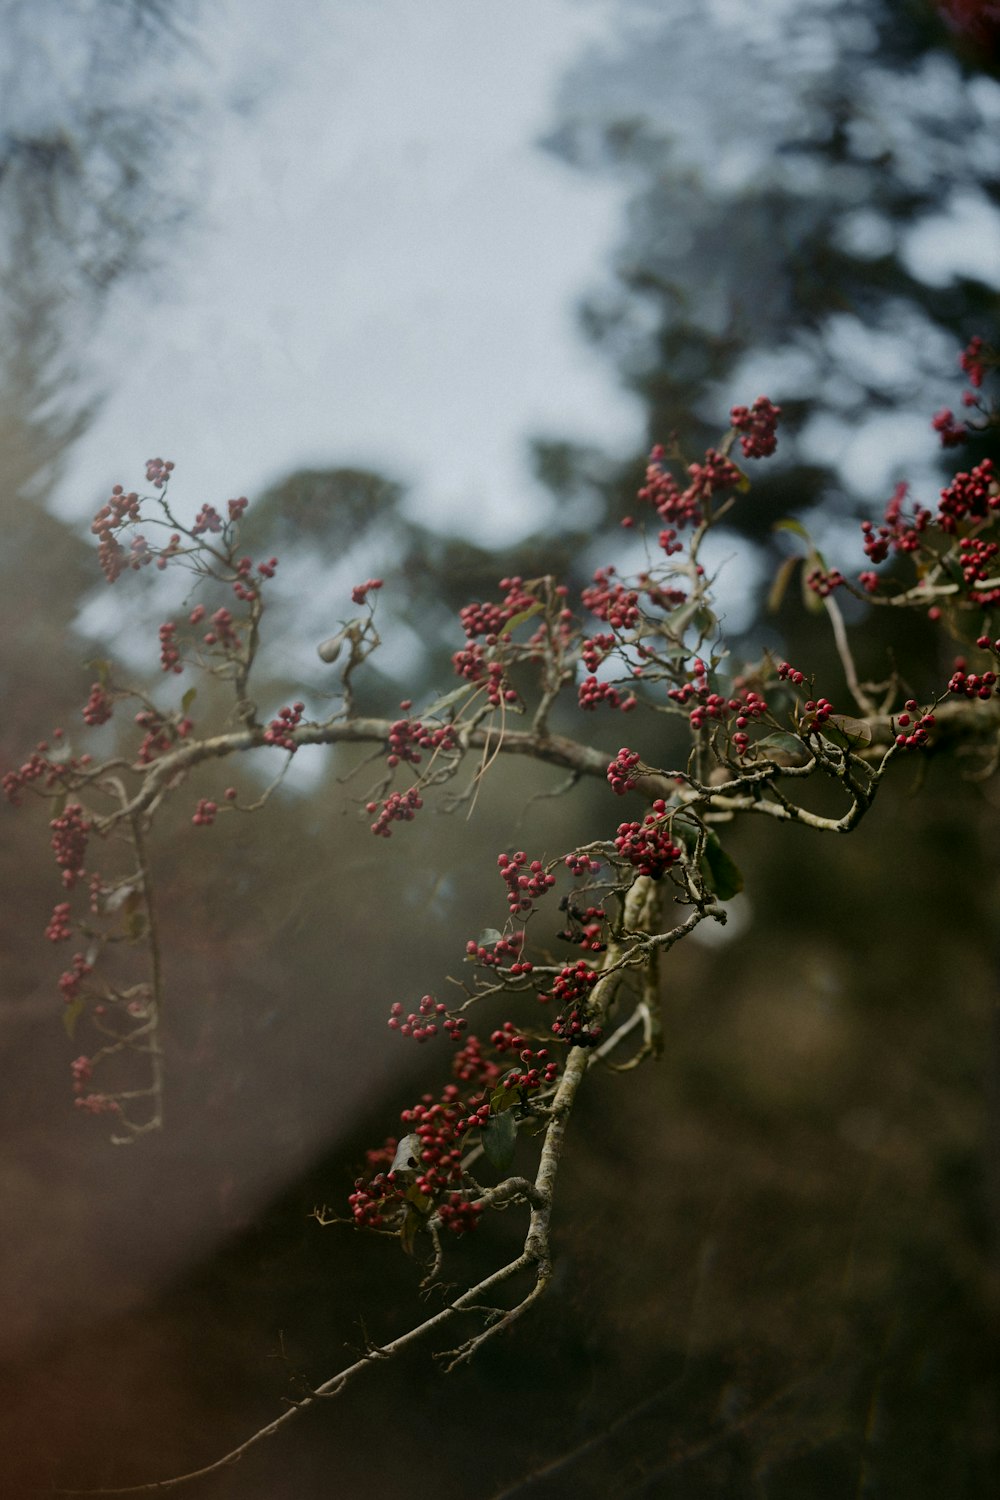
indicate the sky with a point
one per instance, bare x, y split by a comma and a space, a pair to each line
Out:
382, 267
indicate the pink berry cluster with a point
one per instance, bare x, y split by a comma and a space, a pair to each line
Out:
408, 737
159, 734
573, 983
281, 729
611, 601
158, 472
757, 425
98, 707
965, 684
492, 957
973, 362
586, 926
208, 521
205, 813
621, 771
824, 581
581, 864
360, 591
970, 496
591, 692
525, 882
59, 929
951, 432
896, 532
816, 712
422, 1023
977, 560
475, 666
648, 846
72, 980
489, 619
70, 833
38, 767
709, 705
398, 807
913, 728
538, 1068
82, 1072
170, 653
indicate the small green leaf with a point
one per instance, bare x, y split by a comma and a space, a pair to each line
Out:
499, 1137
188, 699
445, 701
848, 733
789, 523
519, 619
71, 1015
488, 937
411, 1226
782, 579
723, 874
783, 747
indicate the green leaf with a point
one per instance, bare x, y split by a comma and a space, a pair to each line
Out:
102, 667
445, 701
71, 1014
501, 1098
499, 1137
848, 733
722, 875
188, 699
782, 579
783, 747
488, 937
789, 523
519, 619
411, 1226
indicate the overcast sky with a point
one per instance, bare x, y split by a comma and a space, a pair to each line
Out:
383, 268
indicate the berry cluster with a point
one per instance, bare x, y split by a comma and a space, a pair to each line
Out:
70, 832
581, 864
489, 619
951, 433
207, 520
473, 665
896, 532
611, 601
977, 562
972, 362
620, 772
71, 982
205, 813
360, 591
422, 1023
648, 846
160, 734
969, 497
913, 727
708, 705
523, 885
504, 947
596, 650
280, 730
59, 928
824, 582
222, 632
408, 737
586, 926
591, 693
573, 983
170, 654
971, 684
817, 712
398, 807
757, 424
158, 472
98, 707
